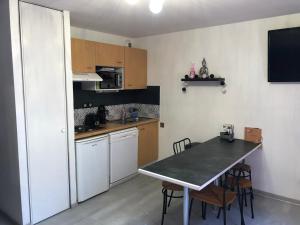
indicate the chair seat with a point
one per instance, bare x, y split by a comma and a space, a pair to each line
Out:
170, 186
242, 167
214, 195
243, 183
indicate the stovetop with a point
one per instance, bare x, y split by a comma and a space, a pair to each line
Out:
83, 128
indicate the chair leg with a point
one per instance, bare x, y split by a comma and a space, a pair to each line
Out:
219, 212
250, 177
202, 208
251, 202
220, 181
244, 193
171, 196
240, 201
190, 210
224, 215
205, 204
203, 211
229, 207
164, 211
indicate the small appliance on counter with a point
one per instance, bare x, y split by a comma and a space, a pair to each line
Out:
91, 120
102, 113
228, 132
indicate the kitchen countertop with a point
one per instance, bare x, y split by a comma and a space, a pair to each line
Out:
113, 126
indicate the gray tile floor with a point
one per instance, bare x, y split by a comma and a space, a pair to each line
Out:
139, 202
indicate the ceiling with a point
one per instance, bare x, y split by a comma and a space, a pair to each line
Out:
118, 17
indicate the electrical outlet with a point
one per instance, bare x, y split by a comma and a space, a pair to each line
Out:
162, 124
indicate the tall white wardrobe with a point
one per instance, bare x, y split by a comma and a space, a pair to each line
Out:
42, 47
45, 110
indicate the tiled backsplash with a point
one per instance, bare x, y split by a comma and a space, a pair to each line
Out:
115, 111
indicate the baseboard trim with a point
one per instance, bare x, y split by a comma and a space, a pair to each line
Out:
123, 180
277, 197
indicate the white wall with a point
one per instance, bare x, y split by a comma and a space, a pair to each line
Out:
91, 35
239, 53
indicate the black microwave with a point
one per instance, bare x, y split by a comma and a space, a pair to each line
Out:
112, 78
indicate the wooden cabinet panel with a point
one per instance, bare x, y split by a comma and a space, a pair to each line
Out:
109, 55
135, 68
148, 143
83, 56
87, 54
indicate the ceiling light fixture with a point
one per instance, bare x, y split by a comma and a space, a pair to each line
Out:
132, 2
156, 6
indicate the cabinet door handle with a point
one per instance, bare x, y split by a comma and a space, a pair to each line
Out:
129, 85
119, 62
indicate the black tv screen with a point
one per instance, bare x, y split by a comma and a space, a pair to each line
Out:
284, 55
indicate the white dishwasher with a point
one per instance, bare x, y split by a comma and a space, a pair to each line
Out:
92, 166
123, 154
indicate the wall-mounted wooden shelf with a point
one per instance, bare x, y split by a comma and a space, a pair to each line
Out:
197, 79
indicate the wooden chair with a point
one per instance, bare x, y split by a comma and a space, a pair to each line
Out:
243, 171
245, 186
214, 195
178, 147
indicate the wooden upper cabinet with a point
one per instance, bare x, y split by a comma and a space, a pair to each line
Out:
83, 56
86, 55
135, 68
148, 143
109, 55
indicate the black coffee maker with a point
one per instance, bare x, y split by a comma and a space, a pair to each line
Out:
101, 114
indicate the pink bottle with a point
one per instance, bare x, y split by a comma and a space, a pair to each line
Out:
192, 71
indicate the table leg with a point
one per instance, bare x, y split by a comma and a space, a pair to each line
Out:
241, 201
185, 206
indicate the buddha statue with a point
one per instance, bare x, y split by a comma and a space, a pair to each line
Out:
203, 70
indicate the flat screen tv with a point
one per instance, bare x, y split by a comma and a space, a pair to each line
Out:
284, 55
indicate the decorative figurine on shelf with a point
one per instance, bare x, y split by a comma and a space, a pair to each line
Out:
203, 70
192, 71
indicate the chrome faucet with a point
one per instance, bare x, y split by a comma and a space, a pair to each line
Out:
123, 115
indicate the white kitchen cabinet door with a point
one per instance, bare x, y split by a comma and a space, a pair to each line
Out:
42, 41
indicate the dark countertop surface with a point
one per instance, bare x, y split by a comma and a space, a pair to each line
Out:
202, 163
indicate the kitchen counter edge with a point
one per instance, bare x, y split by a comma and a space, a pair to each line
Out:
111, 127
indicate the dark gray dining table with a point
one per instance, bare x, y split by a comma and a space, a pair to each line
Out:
199, 166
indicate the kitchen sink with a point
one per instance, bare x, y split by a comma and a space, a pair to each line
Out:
131, 120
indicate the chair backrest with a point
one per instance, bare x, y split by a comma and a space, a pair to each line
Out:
180, 146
